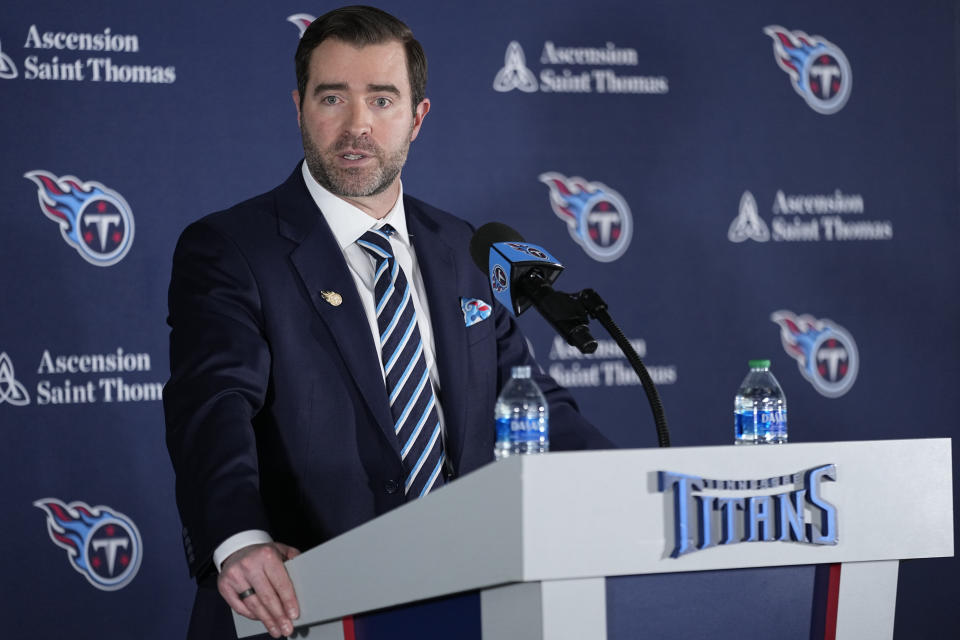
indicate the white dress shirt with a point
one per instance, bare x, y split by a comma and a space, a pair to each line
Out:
348, 223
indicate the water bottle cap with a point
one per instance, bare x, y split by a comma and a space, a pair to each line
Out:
520, 372
759, 364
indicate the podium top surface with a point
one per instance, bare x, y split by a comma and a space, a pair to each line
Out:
600, 513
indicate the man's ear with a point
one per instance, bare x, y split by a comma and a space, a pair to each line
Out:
418, 115
296, 103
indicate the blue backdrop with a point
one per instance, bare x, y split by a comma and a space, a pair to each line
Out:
738, 180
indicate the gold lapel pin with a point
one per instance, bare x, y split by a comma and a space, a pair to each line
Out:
332, 297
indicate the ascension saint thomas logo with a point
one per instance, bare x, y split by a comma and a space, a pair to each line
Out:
748, 225
11, 391
515, 74
8, 70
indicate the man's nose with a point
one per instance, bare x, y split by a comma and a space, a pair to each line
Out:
359, 121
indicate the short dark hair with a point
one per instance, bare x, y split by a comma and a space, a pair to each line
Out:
360, 26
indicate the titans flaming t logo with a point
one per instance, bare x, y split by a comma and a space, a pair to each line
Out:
301, 21
102, 544
825, 352
498, 279
527, 249
94, 220
818, 69
597, 218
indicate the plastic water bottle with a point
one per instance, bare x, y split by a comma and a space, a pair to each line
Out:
760, 408
522, 417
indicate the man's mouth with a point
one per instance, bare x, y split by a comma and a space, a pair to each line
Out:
353, 156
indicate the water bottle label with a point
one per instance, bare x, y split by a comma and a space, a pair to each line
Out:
746, 429
520, 429
762, 426
503, 429
771, 423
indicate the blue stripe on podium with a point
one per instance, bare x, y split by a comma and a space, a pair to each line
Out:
765, 602
455, 617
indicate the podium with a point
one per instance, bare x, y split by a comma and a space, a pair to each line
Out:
786, 541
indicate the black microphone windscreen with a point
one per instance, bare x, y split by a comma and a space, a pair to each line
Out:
487, 235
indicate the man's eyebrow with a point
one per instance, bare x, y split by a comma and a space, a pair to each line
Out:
338, 86
383, 88
343, 86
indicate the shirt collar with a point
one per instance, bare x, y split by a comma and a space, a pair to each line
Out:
348, 222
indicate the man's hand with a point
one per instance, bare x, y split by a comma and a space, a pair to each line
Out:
259, 568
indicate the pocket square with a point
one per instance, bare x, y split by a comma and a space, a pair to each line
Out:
474, 310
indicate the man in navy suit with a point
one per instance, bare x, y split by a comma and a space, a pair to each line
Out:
279, 422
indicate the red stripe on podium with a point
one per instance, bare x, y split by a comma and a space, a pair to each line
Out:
348, 633
833, 598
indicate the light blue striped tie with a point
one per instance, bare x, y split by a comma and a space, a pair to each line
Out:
412, 402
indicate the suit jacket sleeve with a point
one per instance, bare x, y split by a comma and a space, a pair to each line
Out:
219, 363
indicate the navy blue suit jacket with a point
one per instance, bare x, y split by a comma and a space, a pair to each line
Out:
277, 416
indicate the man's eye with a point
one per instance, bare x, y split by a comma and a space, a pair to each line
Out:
329, 100
382, 102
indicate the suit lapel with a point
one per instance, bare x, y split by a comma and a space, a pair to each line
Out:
320, 264
439, 271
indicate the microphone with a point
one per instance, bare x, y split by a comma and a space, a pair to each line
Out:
501, 252
522, 274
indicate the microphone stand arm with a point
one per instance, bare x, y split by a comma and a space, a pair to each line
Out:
563, 311
569, 314
591, 301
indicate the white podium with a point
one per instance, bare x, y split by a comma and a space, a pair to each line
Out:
608, 545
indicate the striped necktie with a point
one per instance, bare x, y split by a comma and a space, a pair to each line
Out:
412, 402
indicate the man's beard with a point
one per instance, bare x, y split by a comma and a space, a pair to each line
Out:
358, 182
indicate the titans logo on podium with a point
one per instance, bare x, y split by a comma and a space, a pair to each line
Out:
102, 544
731, 516
94, 220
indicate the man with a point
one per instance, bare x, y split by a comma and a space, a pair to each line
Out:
297, 408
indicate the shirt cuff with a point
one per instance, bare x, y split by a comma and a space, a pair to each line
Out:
238, 541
